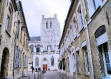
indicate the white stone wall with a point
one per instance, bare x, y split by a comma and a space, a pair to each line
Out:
48, 61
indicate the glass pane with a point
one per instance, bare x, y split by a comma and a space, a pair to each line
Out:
107, 57
105, 48
108, 68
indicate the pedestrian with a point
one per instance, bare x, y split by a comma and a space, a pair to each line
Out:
32, 69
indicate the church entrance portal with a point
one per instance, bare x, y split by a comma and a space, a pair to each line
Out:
45, 67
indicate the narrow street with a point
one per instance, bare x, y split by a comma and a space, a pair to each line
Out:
55, 39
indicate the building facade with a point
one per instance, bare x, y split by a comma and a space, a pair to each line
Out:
99, 33
22, 51
84, 47
45, 47
8, 9
13, 52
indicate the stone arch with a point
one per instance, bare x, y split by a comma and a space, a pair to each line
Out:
101, 30
4, 62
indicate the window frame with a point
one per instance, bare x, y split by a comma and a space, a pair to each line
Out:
86, 61
78, 62
46, 24
80, 20
7, 22
52, 61
50, 24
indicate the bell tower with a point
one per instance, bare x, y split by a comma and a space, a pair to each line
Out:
50, 34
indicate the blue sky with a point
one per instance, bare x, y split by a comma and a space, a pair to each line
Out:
34, 9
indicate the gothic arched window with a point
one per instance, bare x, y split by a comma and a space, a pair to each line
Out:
37, 61
52, 61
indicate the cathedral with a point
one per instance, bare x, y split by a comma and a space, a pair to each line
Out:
45, 47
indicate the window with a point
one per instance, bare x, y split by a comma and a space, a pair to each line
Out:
104, 58
64, 64
52, 61
37, 61
78, 62
7, 23
44, 59
103, 49
32, 48
101, 30
46, 25
86, 60
26, 62
9, 19
74, 63
37, 49
74, 27
80, 19
50, 24
24, 40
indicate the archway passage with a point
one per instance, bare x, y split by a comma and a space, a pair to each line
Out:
4, 63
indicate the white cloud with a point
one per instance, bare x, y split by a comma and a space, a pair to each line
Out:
35, 8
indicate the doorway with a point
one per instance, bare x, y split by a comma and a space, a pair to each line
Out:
45, 67
4, 63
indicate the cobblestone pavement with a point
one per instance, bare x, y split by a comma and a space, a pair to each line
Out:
47, 75
31, 76
55, 75
51, 75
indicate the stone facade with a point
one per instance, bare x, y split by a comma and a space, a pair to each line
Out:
99, 32
8, 16
75, 43
22, 51
13, 53
45, 47
78, 45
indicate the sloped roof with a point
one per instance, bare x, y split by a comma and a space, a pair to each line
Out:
37, 38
